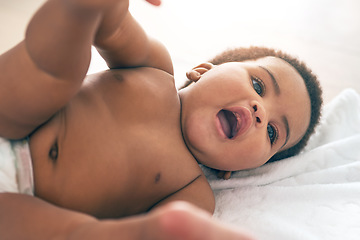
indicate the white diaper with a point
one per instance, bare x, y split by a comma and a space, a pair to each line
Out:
16, 174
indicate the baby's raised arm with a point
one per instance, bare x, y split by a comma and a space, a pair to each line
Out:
43, 72
123, 43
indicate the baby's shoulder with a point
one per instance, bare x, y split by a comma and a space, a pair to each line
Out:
139, 80
197, 191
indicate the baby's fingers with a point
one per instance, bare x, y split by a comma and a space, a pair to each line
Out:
154, 2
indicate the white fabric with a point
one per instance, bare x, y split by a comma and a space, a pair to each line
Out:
16, 174
315, 195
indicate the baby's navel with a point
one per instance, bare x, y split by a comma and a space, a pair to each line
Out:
157, 177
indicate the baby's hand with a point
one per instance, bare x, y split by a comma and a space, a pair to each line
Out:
181, 220
102, 4
174, 221
154, 2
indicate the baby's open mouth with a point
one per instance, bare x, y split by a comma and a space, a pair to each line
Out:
229, 122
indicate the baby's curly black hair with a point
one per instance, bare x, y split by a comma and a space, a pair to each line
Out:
311, 82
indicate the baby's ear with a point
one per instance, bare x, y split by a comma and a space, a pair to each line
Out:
195, 74
224, 175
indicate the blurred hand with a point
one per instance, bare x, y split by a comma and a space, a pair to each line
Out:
154, 2
184, 221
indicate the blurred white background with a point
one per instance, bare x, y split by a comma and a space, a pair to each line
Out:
323, 33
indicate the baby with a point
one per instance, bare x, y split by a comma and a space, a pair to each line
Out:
125, 141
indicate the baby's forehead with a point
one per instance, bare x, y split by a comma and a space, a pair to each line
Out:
280, 67
269, 61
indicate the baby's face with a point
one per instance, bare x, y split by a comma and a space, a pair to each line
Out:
239, 114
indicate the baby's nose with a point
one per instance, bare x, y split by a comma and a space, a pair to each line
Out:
259, 113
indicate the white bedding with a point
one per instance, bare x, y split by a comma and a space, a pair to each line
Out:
315, 195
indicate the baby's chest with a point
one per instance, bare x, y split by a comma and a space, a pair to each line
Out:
153, 175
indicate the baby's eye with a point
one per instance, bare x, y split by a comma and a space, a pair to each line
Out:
53, 153
258, 86
272, 132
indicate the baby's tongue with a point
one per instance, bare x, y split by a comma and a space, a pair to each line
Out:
224, 123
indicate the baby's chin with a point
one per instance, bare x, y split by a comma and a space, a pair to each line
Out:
213, 164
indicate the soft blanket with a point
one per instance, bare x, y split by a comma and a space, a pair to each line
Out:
315, 195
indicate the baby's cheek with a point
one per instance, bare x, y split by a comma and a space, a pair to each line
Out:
259, 152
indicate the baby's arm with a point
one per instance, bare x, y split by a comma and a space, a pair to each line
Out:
127, 45
25, 217
42, 73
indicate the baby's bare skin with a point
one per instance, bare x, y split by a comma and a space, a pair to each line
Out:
124, 142
86, 156
122, 158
